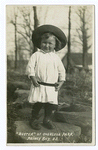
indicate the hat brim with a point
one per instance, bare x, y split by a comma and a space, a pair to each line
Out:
39, 31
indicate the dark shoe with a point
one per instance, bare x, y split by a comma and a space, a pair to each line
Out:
35, 124
48, 124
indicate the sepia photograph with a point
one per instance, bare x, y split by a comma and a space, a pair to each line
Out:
50, 75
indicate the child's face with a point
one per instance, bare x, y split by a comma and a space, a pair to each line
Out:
48, 44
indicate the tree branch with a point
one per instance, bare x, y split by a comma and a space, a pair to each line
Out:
80, 36
77, 42
89, 47
23, 36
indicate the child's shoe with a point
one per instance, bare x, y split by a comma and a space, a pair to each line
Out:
48, 123
35, 124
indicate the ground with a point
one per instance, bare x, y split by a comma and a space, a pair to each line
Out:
74, 96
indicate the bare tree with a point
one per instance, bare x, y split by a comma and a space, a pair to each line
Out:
21, 47
35, 23
83, 32
15, 41
69, 39
27, 25
14, 22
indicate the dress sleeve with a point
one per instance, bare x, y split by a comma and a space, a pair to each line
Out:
61, 71
30, 69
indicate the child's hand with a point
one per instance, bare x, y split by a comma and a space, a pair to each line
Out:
58, 85
34, 80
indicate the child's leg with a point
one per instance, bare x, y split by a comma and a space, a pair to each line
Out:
35, 112
48, 112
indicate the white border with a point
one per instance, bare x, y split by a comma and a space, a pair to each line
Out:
3, 65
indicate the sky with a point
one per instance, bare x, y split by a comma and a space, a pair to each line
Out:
47, 14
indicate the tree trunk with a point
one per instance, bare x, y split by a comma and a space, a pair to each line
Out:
84, 60
84, 42
35, 24
69, 41
15, 42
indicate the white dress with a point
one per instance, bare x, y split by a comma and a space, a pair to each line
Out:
48, 68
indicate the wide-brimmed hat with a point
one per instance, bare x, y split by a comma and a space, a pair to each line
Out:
39, 31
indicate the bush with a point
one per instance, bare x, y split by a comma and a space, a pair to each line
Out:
11, 128
79, 86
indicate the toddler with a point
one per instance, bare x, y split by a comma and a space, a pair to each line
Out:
46, 72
